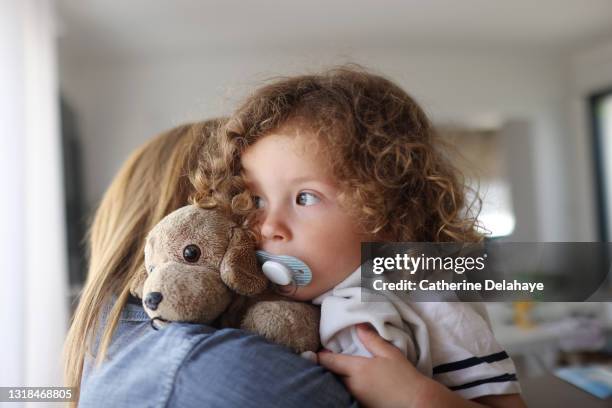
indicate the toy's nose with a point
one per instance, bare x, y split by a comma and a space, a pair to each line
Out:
153, 299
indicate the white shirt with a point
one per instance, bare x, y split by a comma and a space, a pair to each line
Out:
452, 342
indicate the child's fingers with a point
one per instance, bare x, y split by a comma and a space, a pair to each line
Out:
375, 344
339, 363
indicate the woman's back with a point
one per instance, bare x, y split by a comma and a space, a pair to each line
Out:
198, 366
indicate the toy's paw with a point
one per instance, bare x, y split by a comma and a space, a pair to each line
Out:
289, 323
310, 355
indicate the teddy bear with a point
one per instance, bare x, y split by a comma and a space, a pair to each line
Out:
200, 267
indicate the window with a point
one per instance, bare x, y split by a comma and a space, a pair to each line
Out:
482, 161
601, 119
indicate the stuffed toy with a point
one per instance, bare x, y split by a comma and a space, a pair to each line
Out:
201, 268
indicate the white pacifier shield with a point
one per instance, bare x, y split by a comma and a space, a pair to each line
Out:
299, 272
277, 272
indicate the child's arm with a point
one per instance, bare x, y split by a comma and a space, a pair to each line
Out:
388, 379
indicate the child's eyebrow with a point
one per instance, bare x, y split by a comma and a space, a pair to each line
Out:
304, 179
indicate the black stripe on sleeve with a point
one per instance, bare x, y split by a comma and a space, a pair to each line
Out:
499, 378
469, 362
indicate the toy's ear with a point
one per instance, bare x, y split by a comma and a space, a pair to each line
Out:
138, 281
239, 270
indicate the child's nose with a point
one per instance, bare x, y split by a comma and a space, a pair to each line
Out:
274, 228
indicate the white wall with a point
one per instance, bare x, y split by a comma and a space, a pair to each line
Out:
121, 103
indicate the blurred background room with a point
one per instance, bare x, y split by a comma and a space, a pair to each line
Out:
522, 88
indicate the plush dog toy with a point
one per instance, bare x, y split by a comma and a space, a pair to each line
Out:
200, 266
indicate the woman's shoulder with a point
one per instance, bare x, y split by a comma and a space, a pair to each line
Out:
249, 371
197, 365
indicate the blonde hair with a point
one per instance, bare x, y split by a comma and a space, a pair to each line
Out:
155, 180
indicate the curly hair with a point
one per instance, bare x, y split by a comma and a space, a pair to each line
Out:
394, 176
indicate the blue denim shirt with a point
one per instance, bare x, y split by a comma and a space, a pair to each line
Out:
192, 365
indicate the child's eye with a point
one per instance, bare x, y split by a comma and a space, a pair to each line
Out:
258, 202
305, 199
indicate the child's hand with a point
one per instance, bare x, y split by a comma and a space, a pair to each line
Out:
387, 379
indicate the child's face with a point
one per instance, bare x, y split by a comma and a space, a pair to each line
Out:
299, 212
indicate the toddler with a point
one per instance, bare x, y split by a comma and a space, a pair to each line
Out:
318, 164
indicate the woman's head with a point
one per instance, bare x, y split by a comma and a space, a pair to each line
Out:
154, 181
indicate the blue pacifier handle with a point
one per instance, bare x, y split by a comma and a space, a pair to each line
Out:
284, 269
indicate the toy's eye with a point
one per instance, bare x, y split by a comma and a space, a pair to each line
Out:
151, 268
191, 253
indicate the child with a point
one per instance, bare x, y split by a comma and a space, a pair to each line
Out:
320, 163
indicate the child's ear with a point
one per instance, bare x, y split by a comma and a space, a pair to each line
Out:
137, 285
239, 270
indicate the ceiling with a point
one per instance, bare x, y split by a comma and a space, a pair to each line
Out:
156, 27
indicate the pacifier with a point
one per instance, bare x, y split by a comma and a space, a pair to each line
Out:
286, 272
